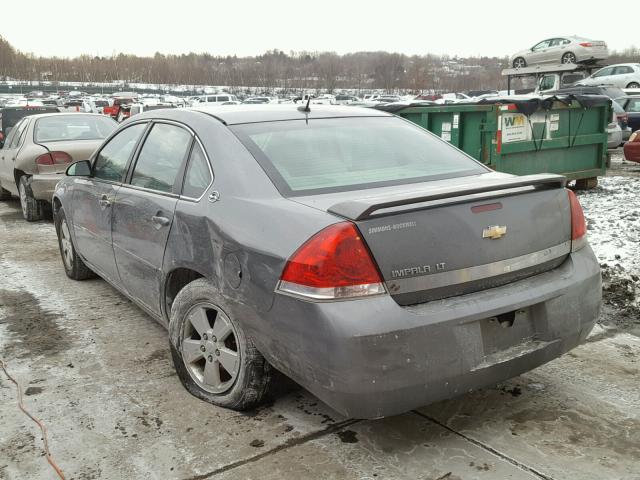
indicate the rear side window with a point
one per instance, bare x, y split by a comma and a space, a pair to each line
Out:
113, 158
19, 134
338, 154
161, 157
198, 175
11, 135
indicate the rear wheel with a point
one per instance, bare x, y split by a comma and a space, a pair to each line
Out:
32, 209
519, 62
74, 267
568, 57
214, 358
633, 85
5, 194
586, 183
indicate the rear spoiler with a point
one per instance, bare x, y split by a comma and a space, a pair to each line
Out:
362, 208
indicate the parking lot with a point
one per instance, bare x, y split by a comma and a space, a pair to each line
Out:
97, 371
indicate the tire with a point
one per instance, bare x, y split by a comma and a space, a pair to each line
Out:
568, 57
519, 62
5, 194
198, 352
633, 85
74, 267
586, 183
32, 209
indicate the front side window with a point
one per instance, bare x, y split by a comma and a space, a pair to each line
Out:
633, 105
161, 157
73, 127
198, 175
542, 45
113, 158
339, 154
604, 72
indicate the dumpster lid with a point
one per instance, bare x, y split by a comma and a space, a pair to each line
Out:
527, 106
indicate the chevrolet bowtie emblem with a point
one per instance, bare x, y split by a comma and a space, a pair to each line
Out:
495, 231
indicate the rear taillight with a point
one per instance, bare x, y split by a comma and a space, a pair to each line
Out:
578, 223
586, 44
54, 158
333, 264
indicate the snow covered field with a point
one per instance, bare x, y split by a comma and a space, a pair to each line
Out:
612, 211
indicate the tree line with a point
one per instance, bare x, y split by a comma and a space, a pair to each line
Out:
274, 69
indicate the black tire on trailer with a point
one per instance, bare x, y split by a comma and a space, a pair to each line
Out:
586, 183
568, 57
215, 359
633, 85
5, 194
519, 62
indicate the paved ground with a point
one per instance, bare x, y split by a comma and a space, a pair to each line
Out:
97, 370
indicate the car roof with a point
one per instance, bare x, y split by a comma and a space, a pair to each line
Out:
65, 114
247, 113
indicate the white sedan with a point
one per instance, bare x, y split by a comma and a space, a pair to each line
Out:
622, 75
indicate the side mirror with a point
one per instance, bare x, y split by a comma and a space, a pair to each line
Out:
81, 168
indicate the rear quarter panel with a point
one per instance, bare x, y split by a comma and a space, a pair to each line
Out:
251, 229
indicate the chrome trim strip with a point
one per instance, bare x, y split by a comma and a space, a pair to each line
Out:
478, 272
317, 295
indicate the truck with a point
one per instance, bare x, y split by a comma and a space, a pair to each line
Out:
550, 77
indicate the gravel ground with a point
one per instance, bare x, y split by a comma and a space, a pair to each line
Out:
97, 371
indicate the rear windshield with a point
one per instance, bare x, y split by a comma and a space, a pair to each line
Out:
73, 127
341, 154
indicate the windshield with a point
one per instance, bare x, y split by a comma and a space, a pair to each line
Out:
341, 154
73, 127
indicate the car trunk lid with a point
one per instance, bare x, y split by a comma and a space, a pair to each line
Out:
437, 241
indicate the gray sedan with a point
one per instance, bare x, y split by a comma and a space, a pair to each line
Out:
561, 50
362, 256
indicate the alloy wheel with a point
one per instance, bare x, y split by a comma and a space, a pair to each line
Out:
210, 348
519, 63
568, 58
23, 199
66, 245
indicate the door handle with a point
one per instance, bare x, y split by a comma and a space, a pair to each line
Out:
104, 201
160, 221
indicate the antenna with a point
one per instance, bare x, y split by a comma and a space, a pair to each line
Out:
306, 107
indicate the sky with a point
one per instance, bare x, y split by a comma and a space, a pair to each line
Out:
68, 28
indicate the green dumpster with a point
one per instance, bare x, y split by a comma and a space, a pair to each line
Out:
569, 137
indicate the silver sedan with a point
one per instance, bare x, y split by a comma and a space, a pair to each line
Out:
561, 50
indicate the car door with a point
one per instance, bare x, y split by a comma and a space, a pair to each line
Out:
93, 198
553, 52
538, 52
602, 76
144, 208
622, 75
9, 154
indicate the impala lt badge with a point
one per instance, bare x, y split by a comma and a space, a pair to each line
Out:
494, 232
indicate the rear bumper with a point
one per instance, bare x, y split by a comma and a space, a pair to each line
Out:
373, 358
43, 185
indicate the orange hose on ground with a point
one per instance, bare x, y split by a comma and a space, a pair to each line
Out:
40, 424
